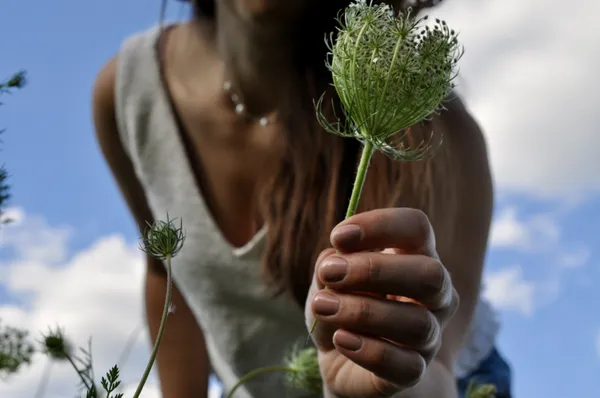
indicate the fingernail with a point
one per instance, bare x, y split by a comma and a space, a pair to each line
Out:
347, 340
349, 234
326, 304
334, 269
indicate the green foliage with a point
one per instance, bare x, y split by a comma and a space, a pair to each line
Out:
4, 193
111, 383
16, 350
17, 81
58, 348
481, 391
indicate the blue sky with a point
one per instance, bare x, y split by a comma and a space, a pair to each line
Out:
543, 266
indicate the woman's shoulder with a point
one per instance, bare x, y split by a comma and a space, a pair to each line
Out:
464, 154
119, 84
461, 128
135, 52
111, 144
106, 78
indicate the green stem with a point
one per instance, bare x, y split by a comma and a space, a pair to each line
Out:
359, 181
84, 380
161, 330
259, 371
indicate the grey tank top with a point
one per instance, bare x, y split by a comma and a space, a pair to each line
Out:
244, 327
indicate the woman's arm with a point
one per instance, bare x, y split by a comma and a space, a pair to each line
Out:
183, 364
461, 237
462, 234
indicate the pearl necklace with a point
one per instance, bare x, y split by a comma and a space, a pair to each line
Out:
240, 107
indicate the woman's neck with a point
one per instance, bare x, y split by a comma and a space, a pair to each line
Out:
258, 60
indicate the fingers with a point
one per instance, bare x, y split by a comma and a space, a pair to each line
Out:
402, 367
403, 228
418, 277
322, 255
407, 324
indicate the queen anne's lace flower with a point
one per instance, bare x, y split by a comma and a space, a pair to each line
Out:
162, 239
304, 373
390, 71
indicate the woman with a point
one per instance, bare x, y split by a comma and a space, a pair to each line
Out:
212, 121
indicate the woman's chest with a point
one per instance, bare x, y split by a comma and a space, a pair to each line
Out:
229, 176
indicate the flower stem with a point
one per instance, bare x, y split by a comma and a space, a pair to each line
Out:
259, 371
81, 374
359, 181
161, 329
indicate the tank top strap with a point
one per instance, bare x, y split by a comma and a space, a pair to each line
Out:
137, 87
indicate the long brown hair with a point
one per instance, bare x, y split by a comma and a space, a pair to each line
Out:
308, 195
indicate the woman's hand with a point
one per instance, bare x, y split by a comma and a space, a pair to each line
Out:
370, 343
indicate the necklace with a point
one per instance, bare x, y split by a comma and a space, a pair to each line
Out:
240, 107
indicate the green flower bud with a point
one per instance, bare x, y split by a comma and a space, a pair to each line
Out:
163, 239
390, 72
480, 390
56, 346
304, 372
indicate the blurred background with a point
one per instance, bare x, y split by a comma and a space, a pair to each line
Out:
530, 77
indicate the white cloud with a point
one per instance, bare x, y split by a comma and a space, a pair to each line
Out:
537, 232
507, 290
577, 258
529, 75
14, 215
96, 293
46, 244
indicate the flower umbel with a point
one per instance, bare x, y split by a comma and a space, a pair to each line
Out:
16, 350
301, 368
56, 346
163, 239
390, 71
307, 374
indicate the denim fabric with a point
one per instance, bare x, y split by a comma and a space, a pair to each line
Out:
493, 370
